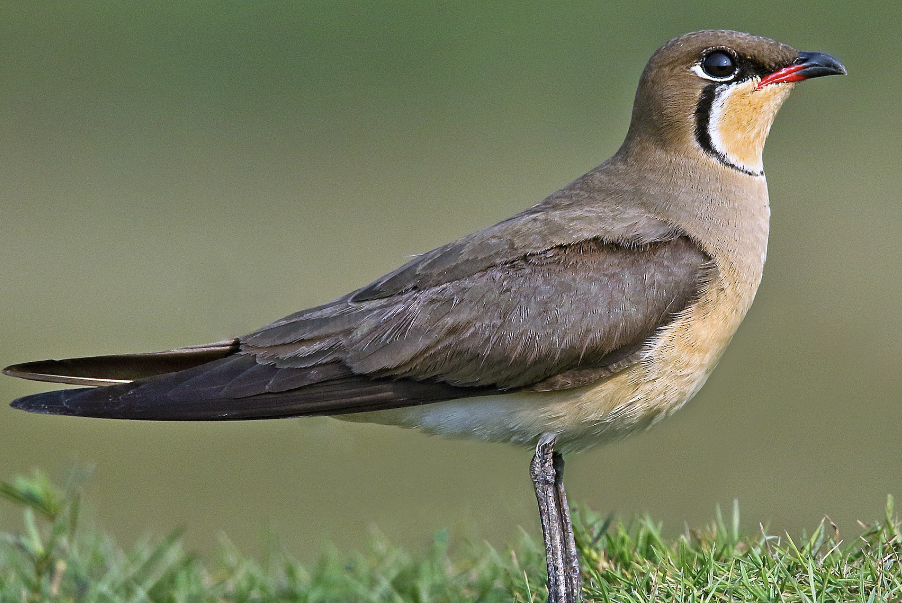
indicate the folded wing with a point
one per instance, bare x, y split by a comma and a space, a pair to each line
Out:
494, 312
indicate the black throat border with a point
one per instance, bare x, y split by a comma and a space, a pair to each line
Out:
703, 133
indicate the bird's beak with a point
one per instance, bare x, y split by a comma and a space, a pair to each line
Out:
805, 67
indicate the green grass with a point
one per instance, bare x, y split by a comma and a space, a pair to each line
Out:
51, 560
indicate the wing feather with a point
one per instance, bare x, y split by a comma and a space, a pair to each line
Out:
561, 295
510, 326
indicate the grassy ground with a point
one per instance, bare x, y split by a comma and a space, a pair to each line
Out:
50, 560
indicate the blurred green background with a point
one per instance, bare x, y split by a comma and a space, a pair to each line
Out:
177, 173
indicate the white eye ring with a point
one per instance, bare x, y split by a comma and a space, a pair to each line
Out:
697, 70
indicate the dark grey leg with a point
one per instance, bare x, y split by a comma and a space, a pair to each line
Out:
573, 578
546, 471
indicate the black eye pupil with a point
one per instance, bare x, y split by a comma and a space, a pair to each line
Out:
719, 64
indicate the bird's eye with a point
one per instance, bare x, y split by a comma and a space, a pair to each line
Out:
719, 65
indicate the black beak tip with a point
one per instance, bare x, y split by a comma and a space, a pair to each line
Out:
819, 64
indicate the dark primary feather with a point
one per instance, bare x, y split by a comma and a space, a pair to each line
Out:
196, 394
550, 299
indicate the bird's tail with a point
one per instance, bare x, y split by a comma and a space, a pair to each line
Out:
215, 382
123, 368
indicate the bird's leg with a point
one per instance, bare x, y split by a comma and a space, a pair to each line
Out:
572, 576
543, 478
546, 471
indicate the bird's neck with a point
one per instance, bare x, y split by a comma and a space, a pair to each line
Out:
725, 211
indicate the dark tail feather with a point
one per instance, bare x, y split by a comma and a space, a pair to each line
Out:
237, 387
124, 368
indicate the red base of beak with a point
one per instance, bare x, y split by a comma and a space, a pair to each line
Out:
787, 74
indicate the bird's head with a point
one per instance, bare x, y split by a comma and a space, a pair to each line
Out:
717, 93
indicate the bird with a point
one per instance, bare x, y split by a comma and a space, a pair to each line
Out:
592, 315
